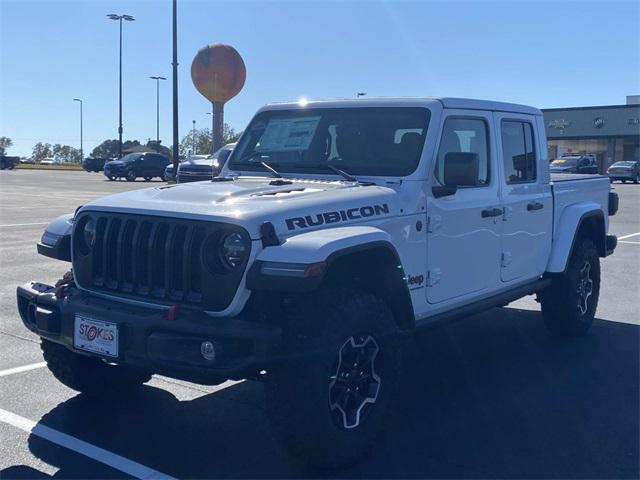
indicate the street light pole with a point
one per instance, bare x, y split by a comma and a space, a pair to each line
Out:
81, 151
157, 79
193, 135
174, 67
119, 18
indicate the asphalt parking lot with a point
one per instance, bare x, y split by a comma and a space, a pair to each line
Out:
491, 396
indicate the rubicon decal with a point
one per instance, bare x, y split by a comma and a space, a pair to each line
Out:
336, 216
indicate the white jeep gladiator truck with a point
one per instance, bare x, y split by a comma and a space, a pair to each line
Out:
334, 231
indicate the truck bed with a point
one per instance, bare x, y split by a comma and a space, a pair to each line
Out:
564, 177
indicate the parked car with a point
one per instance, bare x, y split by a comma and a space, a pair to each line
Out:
203, 167
574, 164
49, 161
134, 165
169, 173
8, 163
335, 231
625, 170
94, 164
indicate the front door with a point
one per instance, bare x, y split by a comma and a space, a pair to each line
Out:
526, 197
463, 230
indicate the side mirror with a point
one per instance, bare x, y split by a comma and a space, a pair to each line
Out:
460, 170
444, 191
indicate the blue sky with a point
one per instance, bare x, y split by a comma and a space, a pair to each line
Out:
544, 53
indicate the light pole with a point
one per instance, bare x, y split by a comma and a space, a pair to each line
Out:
194, 138
174, 71
157, 79
81, 151
360, 94
128, 18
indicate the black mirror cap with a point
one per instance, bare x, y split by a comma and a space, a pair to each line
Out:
444, 190
56, 239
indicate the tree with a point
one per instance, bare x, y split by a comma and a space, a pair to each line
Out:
201, 140
110, 148
158, 147
41, 151
5, 144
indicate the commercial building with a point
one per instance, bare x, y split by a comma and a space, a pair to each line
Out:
610, 132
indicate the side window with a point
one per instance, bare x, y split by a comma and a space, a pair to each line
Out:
518, 152
465, 135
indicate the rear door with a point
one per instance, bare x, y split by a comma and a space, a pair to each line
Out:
463, 231
526, 198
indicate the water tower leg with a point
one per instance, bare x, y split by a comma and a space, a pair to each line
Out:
218, 123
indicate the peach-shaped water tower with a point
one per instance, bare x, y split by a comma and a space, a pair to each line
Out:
218, 73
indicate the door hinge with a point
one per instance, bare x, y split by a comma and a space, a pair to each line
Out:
434, 222
433, 277
506, 259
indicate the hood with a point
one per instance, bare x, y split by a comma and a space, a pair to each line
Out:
249, 202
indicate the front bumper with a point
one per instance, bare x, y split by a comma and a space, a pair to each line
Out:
149, 340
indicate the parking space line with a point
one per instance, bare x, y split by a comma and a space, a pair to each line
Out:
632, 243
22, 224
629, 236
24, 368
98, 454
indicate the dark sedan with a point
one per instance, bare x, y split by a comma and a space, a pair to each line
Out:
203, 167
94, 164
625, 170
574, 164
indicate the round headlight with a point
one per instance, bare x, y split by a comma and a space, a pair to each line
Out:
89, 233
233, 250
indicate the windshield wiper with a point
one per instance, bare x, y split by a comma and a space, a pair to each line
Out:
327, 166
247, 160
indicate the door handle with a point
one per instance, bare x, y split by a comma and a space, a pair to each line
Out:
534, 206
491, 212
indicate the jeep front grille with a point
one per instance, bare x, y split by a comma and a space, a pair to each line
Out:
154, 258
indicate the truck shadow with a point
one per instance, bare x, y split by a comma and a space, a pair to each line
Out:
492, 396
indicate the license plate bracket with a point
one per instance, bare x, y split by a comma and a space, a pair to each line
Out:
95, 336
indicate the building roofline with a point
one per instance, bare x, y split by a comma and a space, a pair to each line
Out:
595, 107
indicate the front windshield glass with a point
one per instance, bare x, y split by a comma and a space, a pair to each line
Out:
383, 141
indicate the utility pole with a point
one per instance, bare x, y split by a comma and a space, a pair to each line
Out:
157, 79
81, 150
174, 65
193, 137
119, 18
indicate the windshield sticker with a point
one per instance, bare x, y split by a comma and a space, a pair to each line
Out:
285, 134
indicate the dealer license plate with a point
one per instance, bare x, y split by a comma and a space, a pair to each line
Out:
95, 336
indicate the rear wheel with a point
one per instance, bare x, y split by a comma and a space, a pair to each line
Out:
569, 303
329, 401
89, 375
147, 179
111, 178
131, 176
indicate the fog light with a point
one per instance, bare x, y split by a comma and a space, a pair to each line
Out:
208, 351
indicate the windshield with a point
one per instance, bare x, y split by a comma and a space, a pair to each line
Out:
625, 163
383, 141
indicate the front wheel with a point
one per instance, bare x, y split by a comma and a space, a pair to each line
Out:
111, 178
89, 375
163, 177
131, 176
329, 399
569, 303
637, 179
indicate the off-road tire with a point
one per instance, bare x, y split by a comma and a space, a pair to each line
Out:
90, 376
567, 310
298, 390
131, 176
